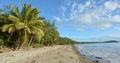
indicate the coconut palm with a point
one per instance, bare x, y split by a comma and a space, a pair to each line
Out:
26, 24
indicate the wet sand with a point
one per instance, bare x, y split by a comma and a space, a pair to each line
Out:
52, 54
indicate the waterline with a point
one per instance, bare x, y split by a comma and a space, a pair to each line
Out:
105, 53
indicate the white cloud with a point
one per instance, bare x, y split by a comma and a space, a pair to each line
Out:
86, 18
63, 10
116, 18
102, 25
80, 28
107, 37
73, 7
87, 3
57, 18
81, 19
80, 8
68, 2
114, 36
90, 14
111, 5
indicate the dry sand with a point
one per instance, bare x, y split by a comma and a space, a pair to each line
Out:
52, 54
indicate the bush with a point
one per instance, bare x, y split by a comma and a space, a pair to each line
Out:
1, 42
9, 44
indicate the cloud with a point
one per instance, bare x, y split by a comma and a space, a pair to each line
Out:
102, 25
107, 37
111, 5
73, 6
63, 10
116, 18
57, 18
68, 2
80, 28
98, 15
87, 3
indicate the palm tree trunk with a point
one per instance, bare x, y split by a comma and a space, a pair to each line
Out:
9, 36
30, 42
25, 41
18, 41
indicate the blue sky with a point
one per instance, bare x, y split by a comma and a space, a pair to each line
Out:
81, 20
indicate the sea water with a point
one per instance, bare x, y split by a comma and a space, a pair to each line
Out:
104, 53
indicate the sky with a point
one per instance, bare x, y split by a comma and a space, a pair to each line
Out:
80, 20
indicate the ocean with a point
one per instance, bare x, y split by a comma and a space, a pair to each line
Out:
102, 53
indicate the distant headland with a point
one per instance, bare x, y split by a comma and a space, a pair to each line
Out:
111, 41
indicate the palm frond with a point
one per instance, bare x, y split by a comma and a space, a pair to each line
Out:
11, 29
38, 33
3, 16
13, 19
37, 23
23, 11
16, 11
20, 25
28, 30
6, 27
28, 9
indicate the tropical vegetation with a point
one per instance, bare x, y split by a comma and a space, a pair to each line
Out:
25, 28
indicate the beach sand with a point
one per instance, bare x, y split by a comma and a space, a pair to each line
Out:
51, 54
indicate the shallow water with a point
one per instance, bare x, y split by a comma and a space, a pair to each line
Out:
104, 53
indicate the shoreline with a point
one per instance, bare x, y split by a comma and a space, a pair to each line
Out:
80, 55
95, 59
50, 54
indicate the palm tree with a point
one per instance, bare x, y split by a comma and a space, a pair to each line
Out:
26, 24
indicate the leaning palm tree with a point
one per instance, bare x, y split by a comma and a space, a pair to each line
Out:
25, 23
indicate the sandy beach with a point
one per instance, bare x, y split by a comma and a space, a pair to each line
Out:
52, 54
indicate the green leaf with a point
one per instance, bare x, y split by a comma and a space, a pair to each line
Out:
13, 19
28, 29
37, 23
1, 42
6, 27
11, 29
16, 11
38, 33
20, 25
